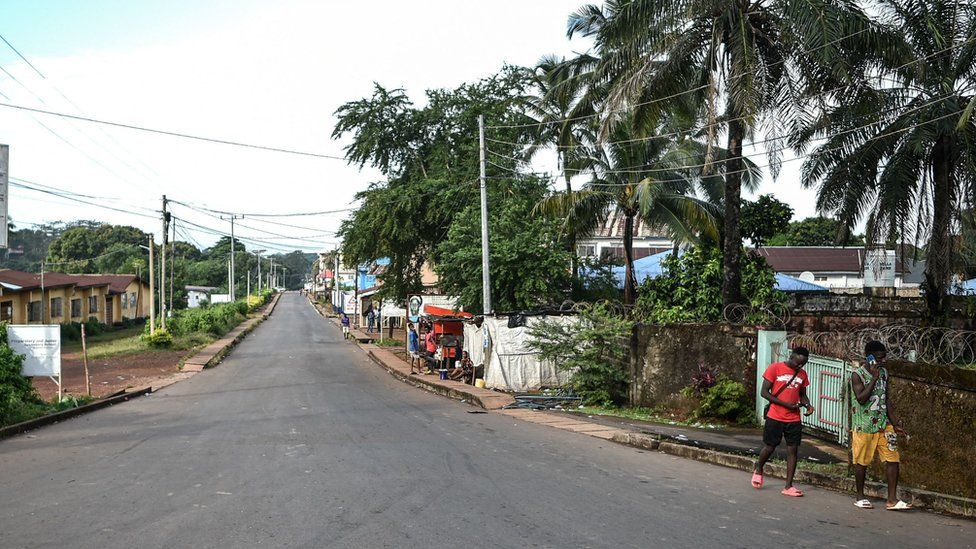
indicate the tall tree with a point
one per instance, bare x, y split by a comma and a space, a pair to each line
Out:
643, 180
899, 149
764, 218
749, 55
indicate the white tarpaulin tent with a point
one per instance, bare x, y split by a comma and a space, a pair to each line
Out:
510, 365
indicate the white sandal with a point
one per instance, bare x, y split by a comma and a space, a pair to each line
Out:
900, 506
864, 504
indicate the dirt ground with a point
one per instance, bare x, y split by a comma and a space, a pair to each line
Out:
113, 374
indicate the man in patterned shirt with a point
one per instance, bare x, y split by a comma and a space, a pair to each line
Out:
874, 425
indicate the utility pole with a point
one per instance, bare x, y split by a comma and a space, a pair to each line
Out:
152, 289
42, 293
231, 285
485, 273
271, 274
172, 270
162, 268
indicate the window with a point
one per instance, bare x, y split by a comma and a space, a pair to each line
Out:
586, 250
7, 311
820, 279
75, 308
57, 307
34, 311
92, 304
132, 300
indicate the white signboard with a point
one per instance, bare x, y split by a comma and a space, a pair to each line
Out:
42, 346
879, 268
219, 298
349, 302
4, 194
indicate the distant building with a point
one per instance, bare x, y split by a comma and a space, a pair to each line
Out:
198, 295
839, 269
607, 241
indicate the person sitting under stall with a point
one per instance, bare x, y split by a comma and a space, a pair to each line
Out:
463, 369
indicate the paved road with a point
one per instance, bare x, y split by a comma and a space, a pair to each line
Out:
297, 440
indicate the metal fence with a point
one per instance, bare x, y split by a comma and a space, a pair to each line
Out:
828, 390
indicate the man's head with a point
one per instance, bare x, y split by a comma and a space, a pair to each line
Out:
410, 326
464, 354
799, 356
876, 349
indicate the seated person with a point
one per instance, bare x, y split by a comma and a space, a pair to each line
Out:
463, 369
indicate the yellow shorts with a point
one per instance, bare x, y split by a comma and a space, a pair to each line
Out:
864, 445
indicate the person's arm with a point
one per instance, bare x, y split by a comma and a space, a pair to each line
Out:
892, 416
805, 402
863, 392
768, 395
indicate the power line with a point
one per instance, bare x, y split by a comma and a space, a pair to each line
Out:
171, 133
75, 199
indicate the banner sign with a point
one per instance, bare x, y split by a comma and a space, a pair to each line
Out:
879, 268
415, 304
41, 345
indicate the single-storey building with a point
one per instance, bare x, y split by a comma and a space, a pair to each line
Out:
60, 298
198, 295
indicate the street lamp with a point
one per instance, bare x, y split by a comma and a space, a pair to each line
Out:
258, 254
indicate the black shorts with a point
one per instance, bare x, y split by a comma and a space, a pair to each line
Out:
775, 431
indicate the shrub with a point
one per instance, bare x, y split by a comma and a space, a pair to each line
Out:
158, 340
727, 399
690, 290
215, 319
703, 379
18, 399
594, 348
71, 331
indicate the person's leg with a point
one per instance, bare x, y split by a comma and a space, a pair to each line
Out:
791, 453
764, 456
891, 471
860, 471
772, 435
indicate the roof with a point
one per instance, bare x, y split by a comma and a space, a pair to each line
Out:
117, 283
19, 280
204, 289
966, 287
432, 310
786, 283
823, 259
613, 227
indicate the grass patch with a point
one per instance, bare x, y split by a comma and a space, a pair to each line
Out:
103, 338
33, 410
129, 342
388, 343
646, 414
836, 469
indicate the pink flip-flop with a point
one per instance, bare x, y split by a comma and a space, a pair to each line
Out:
757, 481
792, 492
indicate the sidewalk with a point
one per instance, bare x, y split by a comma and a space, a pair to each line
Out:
729, 447
212, 354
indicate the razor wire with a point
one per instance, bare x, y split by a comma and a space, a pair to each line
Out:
929, 345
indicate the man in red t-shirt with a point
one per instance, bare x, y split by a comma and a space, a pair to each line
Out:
785, 387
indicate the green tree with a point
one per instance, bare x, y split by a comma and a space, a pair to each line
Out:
427, 156
638, 178
528, 267
752, 56
900, 153
815, 231
764, 218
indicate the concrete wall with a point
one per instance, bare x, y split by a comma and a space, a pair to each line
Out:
663, 358
937, 405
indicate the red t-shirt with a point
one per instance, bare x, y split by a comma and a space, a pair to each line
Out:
779, 373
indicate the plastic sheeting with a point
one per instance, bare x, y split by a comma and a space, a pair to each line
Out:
510, 365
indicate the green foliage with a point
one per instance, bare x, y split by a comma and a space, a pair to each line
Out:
814, 231
690, 288
17, 395
595, 348
727, 399
529, 266
764, 218
596, 281
215, 320
426, 156
159, 339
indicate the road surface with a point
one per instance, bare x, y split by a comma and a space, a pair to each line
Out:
298, 440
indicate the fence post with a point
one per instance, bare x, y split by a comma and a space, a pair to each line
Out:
769, 348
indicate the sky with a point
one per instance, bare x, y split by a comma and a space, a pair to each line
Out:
265, 73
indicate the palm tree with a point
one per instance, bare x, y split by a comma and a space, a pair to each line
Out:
751, 55
642, 179
899, 151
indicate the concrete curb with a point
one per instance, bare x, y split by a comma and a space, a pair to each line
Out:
49, 419
923, 499
485, 398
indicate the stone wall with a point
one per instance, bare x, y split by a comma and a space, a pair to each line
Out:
937, 406
663, 358
841, 312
